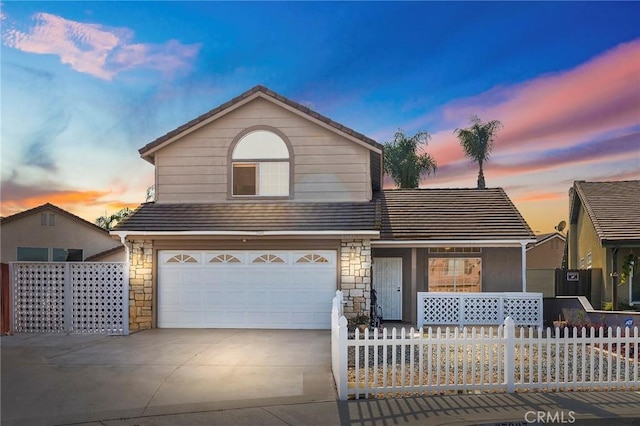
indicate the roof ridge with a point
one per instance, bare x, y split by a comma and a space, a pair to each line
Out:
270, 93
48, 205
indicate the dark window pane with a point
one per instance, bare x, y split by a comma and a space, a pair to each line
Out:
33, 254
67, 255
244, 179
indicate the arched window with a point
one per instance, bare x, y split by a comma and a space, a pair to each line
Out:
260, 165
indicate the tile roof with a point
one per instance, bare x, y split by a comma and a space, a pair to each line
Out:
268, 94
49, 206
102, 254
450, 214
613, 208
283, 216
419, 214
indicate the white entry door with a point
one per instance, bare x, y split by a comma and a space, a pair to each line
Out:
387, 281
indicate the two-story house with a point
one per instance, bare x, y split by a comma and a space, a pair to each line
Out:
264, 208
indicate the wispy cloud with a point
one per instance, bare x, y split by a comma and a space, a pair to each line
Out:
572, 114
96, 49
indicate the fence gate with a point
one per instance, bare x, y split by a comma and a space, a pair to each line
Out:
573, 282
70, 297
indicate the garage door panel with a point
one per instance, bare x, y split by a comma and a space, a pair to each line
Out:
261, 289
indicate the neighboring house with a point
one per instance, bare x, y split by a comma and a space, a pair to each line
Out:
543, 257
50, 234
265, 208
604, 233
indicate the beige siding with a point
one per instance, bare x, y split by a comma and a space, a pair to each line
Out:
67, 233
326, 167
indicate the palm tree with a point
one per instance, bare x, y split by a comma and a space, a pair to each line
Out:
477, 142
404, 163
109, 222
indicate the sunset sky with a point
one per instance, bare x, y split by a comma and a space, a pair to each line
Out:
84, 85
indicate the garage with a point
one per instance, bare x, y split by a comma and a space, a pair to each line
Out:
246, 289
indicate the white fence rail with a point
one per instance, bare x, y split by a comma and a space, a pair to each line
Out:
479, 308
487, 359
70, 297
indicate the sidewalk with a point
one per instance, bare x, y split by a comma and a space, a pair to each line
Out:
590, 408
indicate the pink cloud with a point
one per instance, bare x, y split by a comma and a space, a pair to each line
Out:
97, 50
557, 110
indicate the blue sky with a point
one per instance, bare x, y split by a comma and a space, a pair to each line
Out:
86, 84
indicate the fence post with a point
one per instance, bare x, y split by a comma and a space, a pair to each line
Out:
68, 299
342, 359
510, 354
5, 309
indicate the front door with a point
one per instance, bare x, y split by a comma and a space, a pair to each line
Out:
387, 281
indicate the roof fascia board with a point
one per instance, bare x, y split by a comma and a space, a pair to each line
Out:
199, 125
341, 234
620, 243
452, 243
55, 209
319, 122
148, 155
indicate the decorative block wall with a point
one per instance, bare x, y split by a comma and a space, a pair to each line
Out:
140, 285
355, 276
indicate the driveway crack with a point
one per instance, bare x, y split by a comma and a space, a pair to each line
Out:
276, 416
144, 411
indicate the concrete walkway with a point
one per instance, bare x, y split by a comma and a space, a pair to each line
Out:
243, 377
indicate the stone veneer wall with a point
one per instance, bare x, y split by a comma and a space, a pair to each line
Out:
355, 276
140, 285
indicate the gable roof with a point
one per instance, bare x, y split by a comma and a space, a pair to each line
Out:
613, 208
249, 95
545, 238
49, 206
450, 215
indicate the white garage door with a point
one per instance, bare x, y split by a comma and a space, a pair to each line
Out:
246, 289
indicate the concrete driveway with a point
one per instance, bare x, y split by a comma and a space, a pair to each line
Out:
57, 379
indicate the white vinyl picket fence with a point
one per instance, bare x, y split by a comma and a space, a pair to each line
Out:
70, 297
481, 360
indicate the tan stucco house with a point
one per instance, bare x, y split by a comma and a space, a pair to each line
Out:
264, 208
50, 234
604, 234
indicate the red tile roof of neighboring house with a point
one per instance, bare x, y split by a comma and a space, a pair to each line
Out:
613, 208
267, 94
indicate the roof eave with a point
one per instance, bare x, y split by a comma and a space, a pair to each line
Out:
508, 242
213, 234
